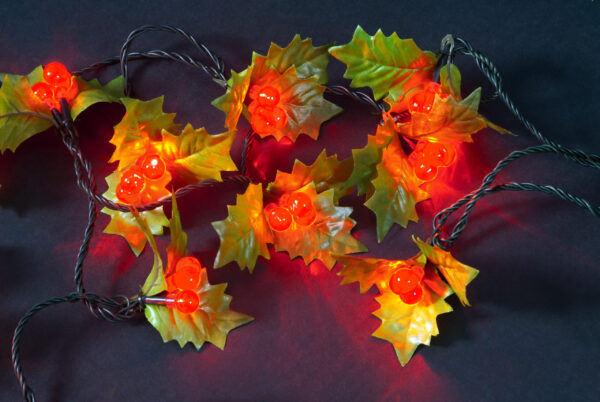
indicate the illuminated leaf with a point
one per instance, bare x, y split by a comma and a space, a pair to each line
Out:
328, 234
178, 247
124, 223
195, 155
92, 92
457, 275
244, 234
396, 190
326, 172
155, 283
366, 159
302, 101
450, 84
386, 64
232, 103
373, 271
142, 123
406, 326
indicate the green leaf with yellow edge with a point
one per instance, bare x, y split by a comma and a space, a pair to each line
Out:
155, 283
396, 190
125, 223
178, 247
232, 102
450, 83
366, 159
309, 60
448, 121
369, 272
22, 115
142, 123
92, 92
386, 64
210, 323
326, 172
406, 326
195, 155
244, 234
302, 101
457, 275
328, 234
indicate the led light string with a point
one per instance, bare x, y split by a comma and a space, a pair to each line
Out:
118, 308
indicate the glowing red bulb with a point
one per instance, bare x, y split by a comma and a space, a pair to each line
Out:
153, 167
187, 273
186, 301
422, 101
130, 185
437, 154
413, 296
301, 207
279, 218
265, 120
43, 91
404, 280
268, 97
57, 75
424, 171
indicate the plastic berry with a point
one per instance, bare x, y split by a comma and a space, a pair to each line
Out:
268, 97
413, 296
187, 273
43, 91
186, 301
265, 120
424, 171
301, 207
153, 167
421, 102
404, 280
279, 218
57, 75
437, 154
130, 185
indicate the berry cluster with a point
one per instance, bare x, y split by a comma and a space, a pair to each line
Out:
58, 83
406, 283
267, 116
184, 281
427, 157
133, 180
296, 206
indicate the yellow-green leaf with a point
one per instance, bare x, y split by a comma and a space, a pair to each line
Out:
326, 172
450, 83
178, 246
328, 234
406, 326
396, 190
232, 102
155, 283
457, 275
244, 234
386, 64
92, 92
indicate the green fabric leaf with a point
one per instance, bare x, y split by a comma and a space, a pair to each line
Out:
244, 234
92, 92
386, 64
155, 283
450, 84
232, 103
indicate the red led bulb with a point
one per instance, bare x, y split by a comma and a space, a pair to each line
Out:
268, 97
412, 297
265, 120
187, 273
130, 185
437, 154
186, 301
424, 171
301, 208
153, 167
43, 91
57, 75
279, 218
404, 281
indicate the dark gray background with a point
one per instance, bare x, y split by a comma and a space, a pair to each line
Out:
532, 333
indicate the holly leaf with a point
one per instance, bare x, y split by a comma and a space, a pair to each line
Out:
406, 326
457, 275
22, 115
396, 190
369, 272
328, 234
155, 283
302, 101
125, 224
386, 64
309, 61
195, 155
142, 123
448, 121
232, 103
365, 160
178, 246
326, 172
244, 234
92, 92
450, 83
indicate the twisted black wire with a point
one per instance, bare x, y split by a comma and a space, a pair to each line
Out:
356, 95
217, 71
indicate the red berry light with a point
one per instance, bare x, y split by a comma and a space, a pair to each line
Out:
301, 208
279, 218
412, 297
404, 280
186, 301
153, 167
130, 185
58, 83
268, 97
437, 154
187, 273
266, 120
424, 171
57, 75
43, 91
421, 102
